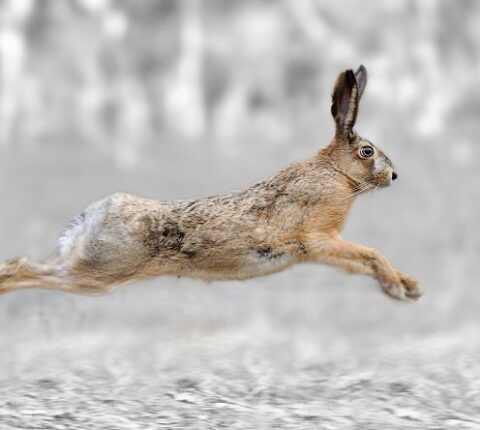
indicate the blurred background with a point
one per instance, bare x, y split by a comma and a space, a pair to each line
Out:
177, 99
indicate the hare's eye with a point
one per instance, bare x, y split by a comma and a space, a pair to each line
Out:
366, 151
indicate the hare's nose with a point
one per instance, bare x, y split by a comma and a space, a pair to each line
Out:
394, 176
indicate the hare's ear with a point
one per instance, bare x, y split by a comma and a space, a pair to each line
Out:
345, 102
361, 77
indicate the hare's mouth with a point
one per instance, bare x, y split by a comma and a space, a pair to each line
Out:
382, 181
386, 182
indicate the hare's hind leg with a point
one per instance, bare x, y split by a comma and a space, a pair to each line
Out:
359, 259
22, 269
14, 274
21, 274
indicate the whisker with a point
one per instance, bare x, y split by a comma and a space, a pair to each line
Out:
360, 188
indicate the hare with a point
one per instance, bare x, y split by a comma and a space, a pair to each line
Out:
295, 216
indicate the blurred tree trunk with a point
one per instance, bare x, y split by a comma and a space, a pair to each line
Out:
12, 62
184, 98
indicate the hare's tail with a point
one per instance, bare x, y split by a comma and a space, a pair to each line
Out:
21, 274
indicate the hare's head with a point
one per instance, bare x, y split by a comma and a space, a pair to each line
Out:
357, 158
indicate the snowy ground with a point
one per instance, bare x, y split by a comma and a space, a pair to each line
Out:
284, 352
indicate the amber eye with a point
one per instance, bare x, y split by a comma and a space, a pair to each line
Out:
366, 151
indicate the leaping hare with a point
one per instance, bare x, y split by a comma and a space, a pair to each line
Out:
295, 216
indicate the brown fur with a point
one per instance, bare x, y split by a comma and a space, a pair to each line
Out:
295, 216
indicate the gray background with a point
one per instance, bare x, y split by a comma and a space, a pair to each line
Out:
176, 99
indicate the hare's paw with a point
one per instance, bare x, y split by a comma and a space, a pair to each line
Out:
5, 272
412, 290
9, 269
394, 290
405, 289
5, 275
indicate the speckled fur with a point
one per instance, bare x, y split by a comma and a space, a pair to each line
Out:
295, 216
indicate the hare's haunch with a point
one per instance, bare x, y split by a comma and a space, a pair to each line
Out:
295, 216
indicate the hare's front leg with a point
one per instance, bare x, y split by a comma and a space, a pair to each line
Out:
368, 261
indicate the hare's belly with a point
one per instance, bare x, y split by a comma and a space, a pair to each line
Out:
265, 262
257, 263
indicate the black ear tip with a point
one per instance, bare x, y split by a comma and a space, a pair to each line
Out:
350, 77
362, 70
